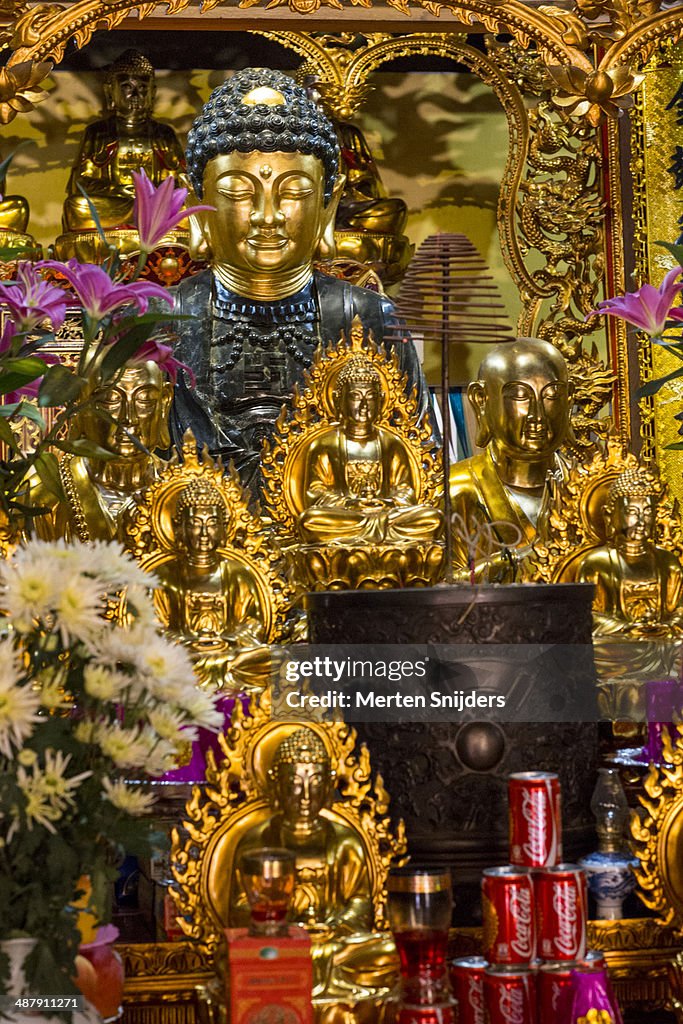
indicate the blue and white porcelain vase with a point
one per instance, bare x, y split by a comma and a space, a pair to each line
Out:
610, 880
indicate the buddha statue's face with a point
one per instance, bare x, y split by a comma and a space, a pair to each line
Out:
132, 96
359, 403
138, 405
633, 518
201, 530
270, 212
523, 400
303, 790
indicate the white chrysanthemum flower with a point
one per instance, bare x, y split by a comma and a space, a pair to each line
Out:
39, 807
50, 687
103, 683
78, 609
114, 566
167, 721
18, 707
131, 799
27, 757
163, 758
53, 781
125, 747
200, 706
27, 594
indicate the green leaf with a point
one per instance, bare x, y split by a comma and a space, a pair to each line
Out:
47, 469
82, 446
653, 386
676, 447
7, 436
95, 216
30, 412
18, 372
675, 250
121, 351
59, 386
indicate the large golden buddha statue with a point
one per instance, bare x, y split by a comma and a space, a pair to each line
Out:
128, 139
220, 591
522, 401
100, 493
638, 584
14, 218
14, 210
282, 779
264, 155
351, 479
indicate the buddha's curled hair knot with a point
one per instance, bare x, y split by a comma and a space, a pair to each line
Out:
303, 746
261, 110
199, 493
357, 370
632, 483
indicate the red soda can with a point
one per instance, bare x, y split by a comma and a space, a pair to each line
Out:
510, 995
554, 991
507, 897
561, 912
467, 984
535, 819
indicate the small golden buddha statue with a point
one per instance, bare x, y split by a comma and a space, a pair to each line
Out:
522, 401
638, 584
208, 599
369, 224
358, 476
101, 493
352, 477
14, 210
128, 139
221, 591
333, 893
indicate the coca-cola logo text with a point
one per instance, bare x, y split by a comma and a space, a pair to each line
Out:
566, 909
521, 908
475, 1001
534, 813
511, 1005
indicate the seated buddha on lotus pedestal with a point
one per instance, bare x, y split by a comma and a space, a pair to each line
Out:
351, 478
128, 139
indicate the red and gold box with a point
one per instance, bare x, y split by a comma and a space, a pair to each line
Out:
270, 979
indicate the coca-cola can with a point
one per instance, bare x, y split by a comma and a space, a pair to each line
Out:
467, 984
535, 819
510, 995
507, 897
561, 912
554, 991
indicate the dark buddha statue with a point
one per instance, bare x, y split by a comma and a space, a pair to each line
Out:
267, 158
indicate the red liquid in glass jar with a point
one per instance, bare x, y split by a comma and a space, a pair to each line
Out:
422, 952
269, 910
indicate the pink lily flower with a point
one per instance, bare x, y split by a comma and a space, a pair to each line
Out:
648, 308
100, 296
157, 210
31, 300
156, 351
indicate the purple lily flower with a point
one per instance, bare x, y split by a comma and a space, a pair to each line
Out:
156, 351
157, 210
31, 300
99, 295
649, 308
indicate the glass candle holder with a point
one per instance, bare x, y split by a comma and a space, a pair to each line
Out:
419, 907
268, 878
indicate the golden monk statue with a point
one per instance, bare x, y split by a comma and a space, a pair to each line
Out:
638, 584
101, 493
333, 894
208, 599
358, 476
128, 139
522, 401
